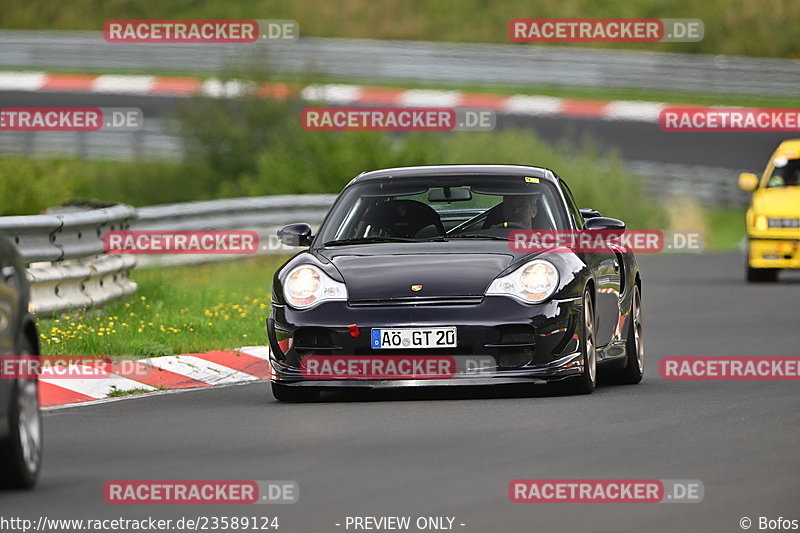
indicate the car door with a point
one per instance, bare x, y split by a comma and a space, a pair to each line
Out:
606, 268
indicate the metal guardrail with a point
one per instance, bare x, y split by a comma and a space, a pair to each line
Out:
262, 214
512, 64
152, 141
235, 213
67, 267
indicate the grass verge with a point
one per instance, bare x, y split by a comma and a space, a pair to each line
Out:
726, 227
176, 310
764, 28
119, 393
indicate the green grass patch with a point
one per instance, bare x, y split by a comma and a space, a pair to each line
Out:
176, 310
119, 393
726, 227
740, 27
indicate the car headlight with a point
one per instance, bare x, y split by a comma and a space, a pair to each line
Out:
533, 282
306, 286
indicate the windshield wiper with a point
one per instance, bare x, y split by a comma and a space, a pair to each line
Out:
477, 236
368, 240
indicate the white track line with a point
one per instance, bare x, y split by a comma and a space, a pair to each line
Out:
22, 81
216, 88
113, 84
428, 98
94, 388
262, 352
533, 105
331, 93
633, 111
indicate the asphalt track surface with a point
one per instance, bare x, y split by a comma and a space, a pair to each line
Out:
638, 141
454, 453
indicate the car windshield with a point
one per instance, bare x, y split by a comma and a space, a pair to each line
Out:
785, 173
443, 208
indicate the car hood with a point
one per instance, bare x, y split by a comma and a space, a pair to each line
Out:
778, 201
378, 271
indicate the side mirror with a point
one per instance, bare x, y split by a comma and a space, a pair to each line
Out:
748, 181
589, 213
295, 234
604, 223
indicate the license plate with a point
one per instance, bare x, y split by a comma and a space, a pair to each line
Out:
444, 337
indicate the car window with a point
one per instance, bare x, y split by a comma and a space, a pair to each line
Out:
785, 173
430, 207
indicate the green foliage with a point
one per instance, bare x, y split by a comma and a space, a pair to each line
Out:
29, 186
740, 27
248, 147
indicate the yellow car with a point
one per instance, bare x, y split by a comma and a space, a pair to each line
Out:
773, 219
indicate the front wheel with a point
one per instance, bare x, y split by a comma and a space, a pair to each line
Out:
22, 448
286, 393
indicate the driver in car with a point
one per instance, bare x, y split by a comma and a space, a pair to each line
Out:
519, 210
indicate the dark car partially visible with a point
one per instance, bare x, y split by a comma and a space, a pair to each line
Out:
20, 419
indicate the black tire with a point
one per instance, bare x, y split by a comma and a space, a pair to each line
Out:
285, 393
762, 275
634, 345
21, 451
759, 275
586, 382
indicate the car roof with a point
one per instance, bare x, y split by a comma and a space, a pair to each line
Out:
789, 148
455, 170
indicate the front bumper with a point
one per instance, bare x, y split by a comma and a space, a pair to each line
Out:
774, 253
514, 342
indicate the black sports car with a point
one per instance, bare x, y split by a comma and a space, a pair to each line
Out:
20, 421
413, 265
